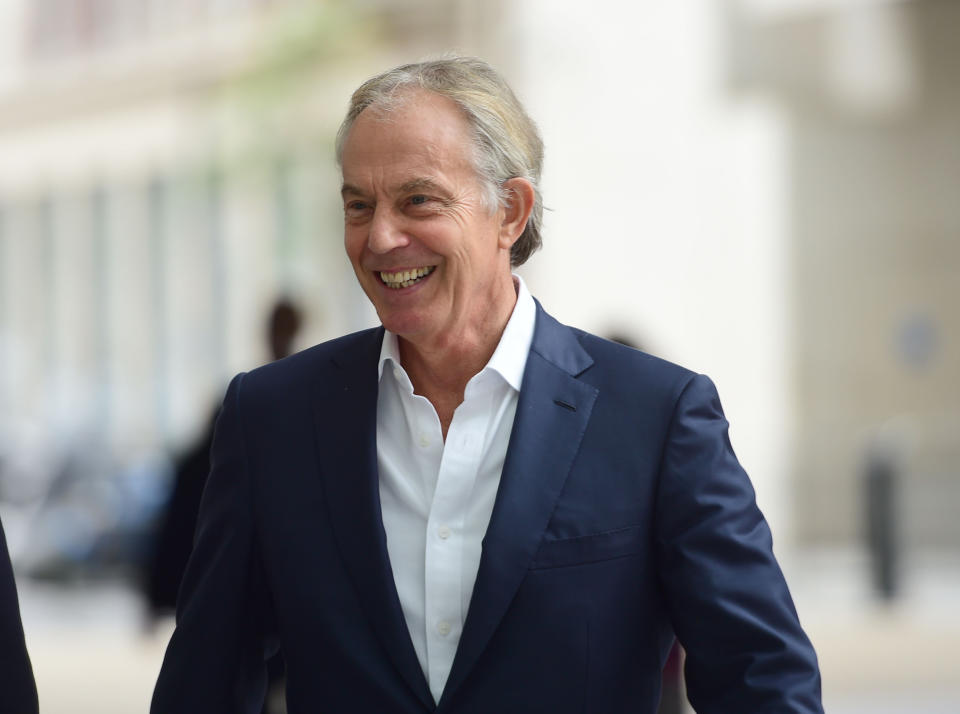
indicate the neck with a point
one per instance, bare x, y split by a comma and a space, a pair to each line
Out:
440, 369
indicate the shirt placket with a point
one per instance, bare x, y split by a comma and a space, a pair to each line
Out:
445, 532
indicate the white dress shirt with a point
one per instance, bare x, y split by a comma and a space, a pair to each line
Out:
437, 497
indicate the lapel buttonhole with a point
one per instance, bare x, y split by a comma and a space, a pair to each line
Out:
561, 403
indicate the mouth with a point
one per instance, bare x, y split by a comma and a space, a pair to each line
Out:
405, 278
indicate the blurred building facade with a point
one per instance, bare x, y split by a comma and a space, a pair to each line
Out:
776, 211
166, 171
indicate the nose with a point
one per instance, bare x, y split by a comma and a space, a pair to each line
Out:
386, 232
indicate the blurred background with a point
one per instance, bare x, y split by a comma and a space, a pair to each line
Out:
767, 191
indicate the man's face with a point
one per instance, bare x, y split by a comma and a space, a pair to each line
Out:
426, 249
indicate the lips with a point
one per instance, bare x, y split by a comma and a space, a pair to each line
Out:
405, 278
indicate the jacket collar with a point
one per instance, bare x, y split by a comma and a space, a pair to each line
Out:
553, 410
346, 416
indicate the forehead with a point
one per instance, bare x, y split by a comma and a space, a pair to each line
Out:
424, 135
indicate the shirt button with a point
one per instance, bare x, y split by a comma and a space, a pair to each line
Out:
443, 532
443, 627
424, 441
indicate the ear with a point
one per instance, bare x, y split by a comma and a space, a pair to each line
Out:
520, 197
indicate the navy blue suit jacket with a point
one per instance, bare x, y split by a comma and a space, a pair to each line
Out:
622, 517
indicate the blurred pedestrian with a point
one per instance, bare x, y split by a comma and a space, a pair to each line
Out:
174, 539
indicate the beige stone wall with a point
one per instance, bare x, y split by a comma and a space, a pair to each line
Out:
874, 182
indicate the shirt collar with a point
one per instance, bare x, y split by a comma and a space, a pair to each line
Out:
509, 359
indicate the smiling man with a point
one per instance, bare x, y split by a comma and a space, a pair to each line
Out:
473, 508
429, 245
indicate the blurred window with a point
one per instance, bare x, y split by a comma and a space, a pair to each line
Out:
66, 28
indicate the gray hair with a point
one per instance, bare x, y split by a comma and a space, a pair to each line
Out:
507, 143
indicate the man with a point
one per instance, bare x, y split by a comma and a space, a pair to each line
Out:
18, 692
473, 509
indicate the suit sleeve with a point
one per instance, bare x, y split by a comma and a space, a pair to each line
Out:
215, 659
727, 597
17, 688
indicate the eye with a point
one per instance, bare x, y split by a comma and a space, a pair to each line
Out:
354, 209
418, 200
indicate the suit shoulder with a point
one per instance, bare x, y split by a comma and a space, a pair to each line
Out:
622, 361
313, 364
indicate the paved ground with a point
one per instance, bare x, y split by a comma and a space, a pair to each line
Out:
90, 648
882, 658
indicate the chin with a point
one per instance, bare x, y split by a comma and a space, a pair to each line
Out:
404, 325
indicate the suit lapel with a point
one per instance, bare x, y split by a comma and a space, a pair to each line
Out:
348, 451
552, 414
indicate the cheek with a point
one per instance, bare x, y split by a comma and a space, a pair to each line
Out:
448, 239
353, 243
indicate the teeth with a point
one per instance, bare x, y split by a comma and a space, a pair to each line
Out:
405, 278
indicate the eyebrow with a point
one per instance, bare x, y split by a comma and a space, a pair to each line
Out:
417, 184
348, 188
